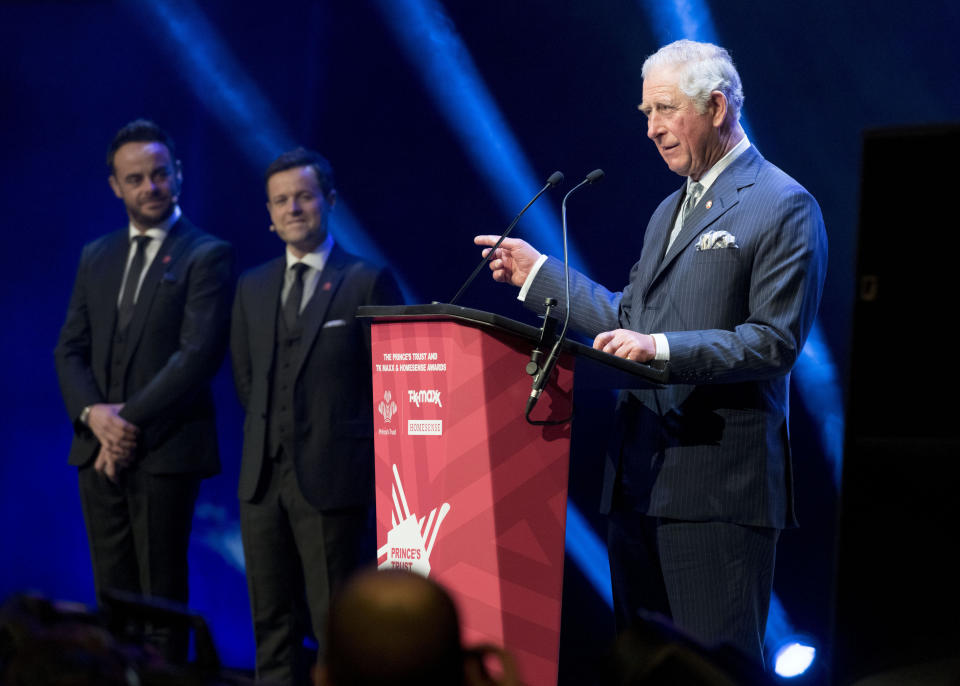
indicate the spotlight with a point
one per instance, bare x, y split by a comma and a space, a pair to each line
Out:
793, 657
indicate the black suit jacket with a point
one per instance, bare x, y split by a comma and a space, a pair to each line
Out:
333, 405
175, 343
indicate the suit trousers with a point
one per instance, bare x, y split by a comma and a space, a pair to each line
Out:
297, 557
139, 534
712, 579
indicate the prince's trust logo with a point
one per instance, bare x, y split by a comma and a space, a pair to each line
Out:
410, 541
387, 407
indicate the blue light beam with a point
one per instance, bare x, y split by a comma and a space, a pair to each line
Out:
222, 86
589, 553
818, 384
675, 19
430, 41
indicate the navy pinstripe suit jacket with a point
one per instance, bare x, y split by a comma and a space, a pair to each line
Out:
712, 445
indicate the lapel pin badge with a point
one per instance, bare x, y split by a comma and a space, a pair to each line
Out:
709, 204
166, 259
327, 286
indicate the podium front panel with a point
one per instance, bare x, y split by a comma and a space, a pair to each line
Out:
469, 493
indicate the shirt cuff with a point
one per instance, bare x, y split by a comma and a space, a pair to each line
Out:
522, 295
663, 347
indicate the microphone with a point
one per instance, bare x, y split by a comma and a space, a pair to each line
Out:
594, 176
540, 379
555, 178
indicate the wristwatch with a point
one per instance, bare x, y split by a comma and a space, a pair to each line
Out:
85, 415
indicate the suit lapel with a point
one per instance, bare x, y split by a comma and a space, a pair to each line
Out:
315, 313
265, 301
652, 255
721, 197
105, 284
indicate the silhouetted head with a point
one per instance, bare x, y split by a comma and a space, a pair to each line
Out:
392, 627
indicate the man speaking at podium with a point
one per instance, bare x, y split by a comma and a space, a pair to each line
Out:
698, 483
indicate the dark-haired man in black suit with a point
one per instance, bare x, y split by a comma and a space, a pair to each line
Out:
301, 363
145, 332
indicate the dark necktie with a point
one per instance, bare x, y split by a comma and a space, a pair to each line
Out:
128, 299
291, 308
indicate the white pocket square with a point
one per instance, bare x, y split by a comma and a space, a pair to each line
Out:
717, 240
334, 322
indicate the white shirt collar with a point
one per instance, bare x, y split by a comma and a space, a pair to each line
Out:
160, 231
316, 259
707, 179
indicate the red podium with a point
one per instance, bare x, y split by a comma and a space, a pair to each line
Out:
468, 492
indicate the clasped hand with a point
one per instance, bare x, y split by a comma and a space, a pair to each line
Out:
117, 436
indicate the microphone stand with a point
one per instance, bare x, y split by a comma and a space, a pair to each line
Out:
542, 377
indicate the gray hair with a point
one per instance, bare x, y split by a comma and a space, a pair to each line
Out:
703, 68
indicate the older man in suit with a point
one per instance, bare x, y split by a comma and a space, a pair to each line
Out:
301, 364
146, 330
699, 482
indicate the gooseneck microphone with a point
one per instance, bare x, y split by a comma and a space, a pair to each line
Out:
540, 379
592, 177
555, 178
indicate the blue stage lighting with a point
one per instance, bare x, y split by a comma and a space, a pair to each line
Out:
818, 383
675, 19
430, 41
226, 91
218, 531
217, 79
588, 552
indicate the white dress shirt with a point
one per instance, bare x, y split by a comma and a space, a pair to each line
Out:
158, 234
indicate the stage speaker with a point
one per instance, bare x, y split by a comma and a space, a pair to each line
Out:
897, 591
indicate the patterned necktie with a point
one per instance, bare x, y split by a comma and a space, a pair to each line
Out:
693, 197
130, 284
291, 308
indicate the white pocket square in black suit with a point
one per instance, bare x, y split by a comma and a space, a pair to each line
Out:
334, 322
